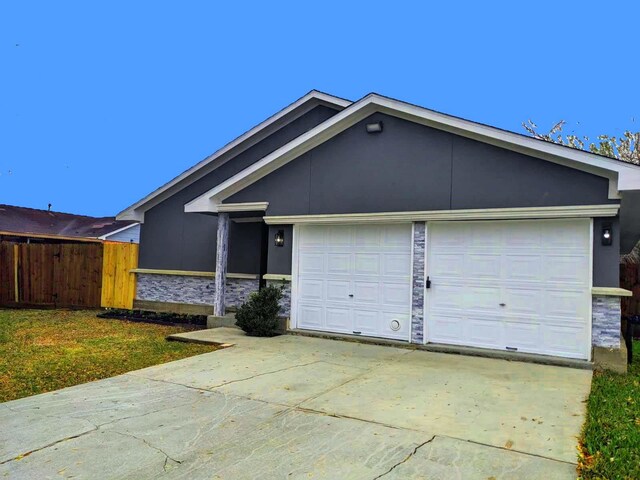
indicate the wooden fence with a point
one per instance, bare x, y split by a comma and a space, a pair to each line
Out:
630, 280
54, 275
118, 284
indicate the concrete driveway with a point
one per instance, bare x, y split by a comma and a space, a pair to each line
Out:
298, 407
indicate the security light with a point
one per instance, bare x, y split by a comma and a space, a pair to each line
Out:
374, 127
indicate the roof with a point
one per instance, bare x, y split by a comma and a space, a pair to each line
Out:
230, 150
622, 175
43, 223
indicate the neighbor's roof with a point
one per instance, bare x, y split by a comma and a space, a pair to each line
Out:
22, 220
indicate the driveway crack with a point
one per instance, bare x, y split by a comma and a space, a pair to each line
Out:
411, 454
22, 455
167, 457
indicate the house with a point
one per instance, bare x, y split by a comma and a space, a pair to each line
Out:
53, 259
386, 219
36, 225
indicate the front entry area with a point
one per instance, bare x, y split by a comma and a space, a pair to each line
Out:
354, 279
523, 286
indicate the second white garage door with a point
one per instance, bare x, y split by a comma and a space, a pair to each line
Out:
354, 279
511, 285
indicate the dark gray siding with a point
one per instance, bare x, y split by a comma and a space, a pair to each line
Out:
410, 167
413, 167
606, 258
630, 220
279, 258
173, 239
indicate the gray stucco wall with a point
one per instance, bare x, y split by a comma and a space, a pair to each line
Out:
412, 167
173, 239
279, 258
606, 258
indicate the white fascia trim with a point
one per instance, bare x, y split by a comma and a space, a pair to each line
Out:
577, 211
104, 237
249, 138
207, 206
621, 176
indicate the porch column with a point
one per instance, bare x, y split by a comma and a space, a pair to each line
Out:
222, 248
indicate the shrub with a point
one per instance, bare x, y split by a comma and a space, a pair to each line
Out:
258, 317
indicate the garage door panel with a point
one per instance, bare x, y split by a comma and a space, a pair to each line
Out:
338, 290
523, 301
367, 292
338, 319
487, 331
367, 264
395, 236
566, 269
338, 236
396, 294
447, 265
396, 264
311, 262
312, 236
368, 236
523, 267
485, 266
311, 316
338, 263
539, 270
311, 289
367, 322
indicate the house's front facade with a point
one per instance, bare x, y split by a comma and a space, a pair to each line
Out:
389, 220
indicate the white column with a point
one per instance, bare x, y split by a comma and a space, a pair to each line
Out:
222, 249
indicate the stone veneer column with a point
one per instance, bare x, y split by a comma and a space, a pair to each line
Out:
222, 248
417, 296
606, 317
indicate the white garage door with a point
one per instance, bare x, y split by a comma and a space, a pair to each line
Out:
354, 279
513, 285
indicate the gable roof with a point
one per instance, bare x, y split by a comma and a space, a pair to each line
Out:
233, 148
621, 175
22, 221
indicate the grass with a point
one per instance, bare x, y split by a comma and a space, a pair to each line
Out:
44, 350
610, 440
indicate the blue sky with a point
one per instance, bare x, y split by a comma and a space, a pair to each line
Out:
102, 102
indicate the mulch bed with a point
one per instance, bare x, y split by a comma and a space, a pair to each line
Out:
193, 322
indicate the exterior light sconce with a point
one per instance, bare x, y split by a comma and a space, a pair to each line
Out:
279, 238
607, 234
374, 127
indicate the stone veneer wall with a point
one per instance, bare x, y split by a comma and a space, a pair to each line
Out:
417, 295
606, 319
191, 290
285, 303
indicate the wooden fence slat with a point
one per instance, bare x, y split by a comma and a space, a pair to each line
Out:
118, 283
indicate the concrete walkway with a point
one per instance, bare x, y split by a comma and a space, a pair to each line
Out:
298, 407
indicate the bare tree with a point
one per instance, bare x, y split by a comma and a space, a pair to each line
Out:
626, 147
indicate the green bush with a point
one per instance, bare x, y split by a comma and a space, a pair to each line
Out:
258, 317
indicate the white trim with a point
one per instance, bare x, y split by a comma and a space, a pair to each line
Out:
126, 227
621, 175
590, 335
572, 211
411, 281
193, 273
427, 245
230, 150
277, 277
293, 321
242, 207
611, 292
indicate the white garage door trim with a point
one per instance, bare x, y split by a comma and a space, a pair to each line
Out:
585, 352
295, 322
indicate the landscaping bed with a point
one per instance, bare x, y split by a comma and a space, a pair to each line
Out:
610, 443
191, 322
45, 350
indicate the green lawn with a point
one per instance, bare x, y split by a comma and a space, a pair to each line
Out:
44, 350
611, 437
